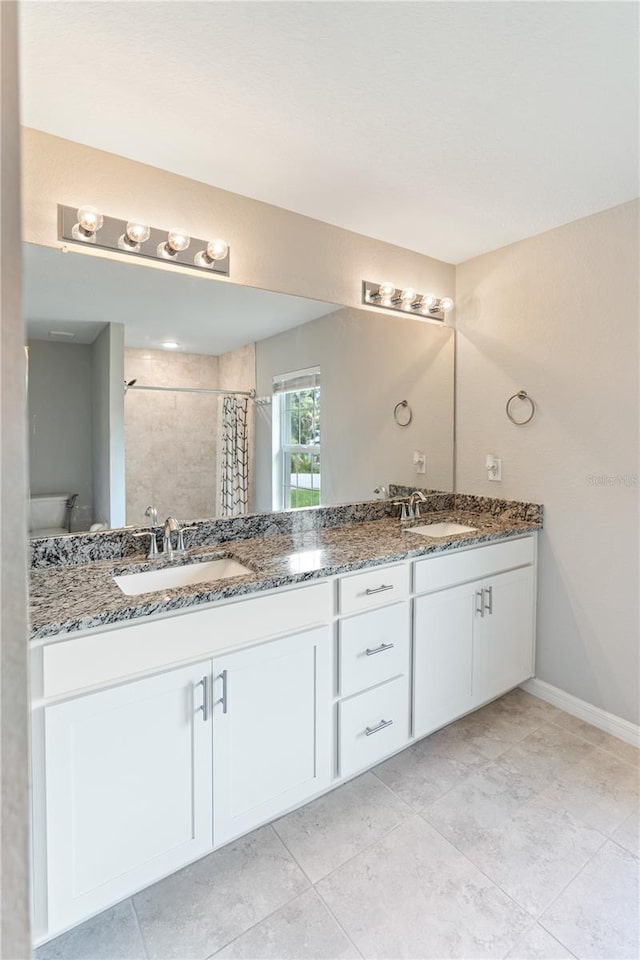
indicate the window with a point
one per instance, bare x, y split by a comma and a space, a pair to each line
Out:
296, 439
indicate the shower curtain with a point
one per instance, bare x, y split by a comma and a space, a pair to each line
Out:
234, 457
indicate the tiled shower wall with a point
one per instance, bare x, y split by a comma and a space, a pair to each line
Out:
170, 438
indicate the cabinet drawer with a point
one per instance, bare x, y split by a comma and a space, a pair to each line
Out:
373, 725
381, 585
434, 573
373, 647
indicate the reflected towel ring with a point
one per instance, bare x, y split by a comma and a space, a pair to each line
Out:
405, 418
520, 395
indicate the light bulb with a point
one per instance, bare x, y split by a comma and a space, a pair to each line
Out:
216, 250
408, 296
386, 290
135, 234
177, 241
89, 222
170, 345
446, 304
428, 302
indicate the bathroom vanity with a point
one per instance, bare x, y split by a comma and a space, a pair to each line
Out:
166, 724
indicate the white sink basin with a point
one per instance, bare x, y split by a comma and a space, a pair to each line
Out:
440, 529
149, 581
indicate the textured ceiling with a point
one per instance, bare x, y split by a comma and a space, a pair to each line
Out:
447, 128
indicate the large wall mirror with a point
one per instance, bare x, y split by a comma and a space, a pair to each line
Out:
205, 398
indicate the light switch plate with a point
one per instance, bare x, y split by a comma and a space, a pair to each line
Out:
420, 461
494, 467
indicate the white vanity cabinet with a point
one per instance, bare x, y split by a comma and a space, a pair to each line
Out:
128, 789
472, 640
271, 730
156, 742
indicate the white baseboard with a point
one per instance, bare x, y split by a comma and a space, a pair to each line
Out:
609, 722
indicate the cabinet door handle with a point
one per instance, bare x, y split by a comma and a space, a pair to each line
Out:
381, 589
383, 646
369, 731
223, 698
480, 602
204, 706
489, 606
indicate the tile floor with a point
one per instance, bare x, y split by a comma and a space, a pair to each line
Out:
511, 833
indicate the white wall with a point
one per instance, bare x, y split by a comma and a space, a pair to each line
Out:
369, 362
557, 315
14, 730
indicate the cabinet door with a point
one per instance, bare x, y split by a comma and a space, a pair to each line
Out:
128, 789
443, 656
271, 729
504, 649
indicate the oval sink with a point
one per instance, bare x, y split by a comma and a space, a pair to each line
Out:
444, 529
149, 581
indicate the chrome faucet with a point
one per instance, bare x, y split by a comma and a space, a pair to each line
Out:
410, 506
171, 525
153, 545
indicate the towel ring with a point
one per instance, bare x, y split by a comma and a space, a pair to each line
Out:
520, 395
403, 419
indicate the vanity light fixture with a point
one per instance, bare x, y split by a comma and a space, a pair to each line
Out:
170, 345
216, 250
88, 221
389, 297
134, 236
87, 224
176, 242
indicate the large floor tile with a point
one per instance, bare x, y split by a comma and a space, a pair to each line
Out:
196, 911
329, 831
302, 930
487, 799
414, 895
598, 915
112, 935
546, 755
538, 944
602, 791
421, 774
628, 833
599, 738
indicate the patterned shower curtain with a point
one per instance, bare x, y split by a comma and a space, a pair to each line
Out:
234, 457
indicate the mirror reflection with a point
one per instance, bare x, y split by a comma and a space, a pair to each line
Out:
201, 398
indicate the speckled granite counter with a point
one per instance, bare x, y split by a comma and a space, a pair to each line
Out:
66, 599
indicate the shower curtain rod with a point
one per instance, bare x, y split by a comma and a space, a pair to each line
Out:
239, 393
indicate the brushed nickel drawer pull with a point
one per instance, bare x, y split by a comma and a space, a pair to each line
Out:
223, 699
381, 589
480, 597
383, 646
204, 683
489, 606
379, 726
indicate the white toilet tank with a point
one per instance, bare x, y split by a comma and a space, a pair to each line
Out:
48, 515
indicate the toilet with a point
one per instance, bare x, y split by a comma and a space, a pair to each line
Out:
48, 515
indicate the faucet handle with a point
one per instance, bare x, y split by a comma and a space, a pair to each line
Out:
181, 531
153, 546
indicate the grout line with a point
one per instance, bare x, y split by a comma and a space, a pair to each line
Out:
332, 914
137, 919
598, 746
258, 922
532, 927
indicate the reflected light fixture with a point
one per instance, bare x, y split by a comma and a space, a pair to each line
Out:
389, 297
87, 224
170, 345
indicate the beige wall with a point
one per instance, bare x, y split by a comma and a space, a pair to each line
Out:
14, 731
270, 247
557, 315
170, 438
368, 364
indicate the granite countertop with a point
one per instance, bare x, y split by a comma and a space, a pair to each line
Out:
67, 599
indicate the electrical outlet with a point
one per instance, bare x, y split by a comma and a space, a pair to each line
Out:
494, 467
420, 461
